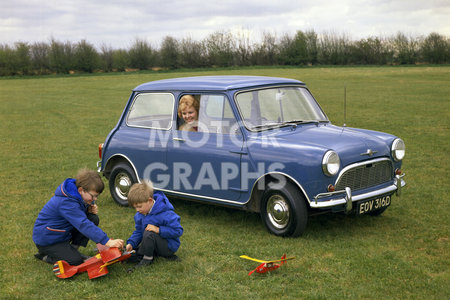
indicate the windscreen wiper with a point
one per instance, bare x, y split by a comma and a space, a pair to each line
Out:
266, 125
295, 122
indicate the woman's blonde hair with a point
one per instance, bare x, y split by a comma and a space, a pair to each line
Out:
188, 101
140, 192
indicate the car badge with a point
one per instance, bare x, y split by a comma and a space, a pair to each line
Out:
369, 152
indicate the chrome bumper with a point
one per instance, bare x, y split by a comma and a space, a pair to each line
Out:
347, 198
99, 166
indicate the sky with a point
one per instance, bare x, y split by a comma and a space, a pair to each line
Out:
118, 24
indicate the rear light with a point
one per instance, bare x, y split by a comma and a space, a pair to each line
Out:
100, 150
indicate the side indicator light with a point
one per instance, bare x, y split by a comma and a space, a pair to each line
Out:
100, 150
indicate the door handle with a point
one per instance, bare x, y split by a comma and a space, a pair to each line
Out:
178, 139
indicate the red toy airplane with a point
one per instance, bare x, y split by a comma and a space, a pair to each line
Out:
267, 265
95, 266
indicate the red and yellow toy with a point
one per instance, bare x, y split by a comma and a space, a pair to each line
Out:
267, 265
95, 266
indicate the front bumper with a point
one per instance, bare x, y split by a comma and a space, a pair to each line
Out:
344, 197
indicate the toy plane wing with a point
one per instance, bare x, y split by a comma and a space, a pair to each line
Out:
266, 261
97, 270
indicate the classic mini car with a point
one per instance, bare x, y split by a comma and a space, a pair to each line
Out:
261, 144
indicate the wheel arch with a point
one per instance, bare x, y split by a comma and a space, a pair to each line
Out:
254, 204
117, 159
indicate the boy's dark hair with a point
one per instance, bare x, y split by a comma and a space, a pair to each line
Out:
89, 180
140, 193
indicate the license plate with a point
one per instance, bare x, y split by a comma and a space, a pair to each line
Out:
374, 204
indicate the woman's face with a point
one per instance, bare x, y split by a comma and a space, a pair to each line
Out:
189, 114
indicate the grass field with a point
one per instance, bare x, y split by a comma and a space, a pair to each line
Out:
51, 126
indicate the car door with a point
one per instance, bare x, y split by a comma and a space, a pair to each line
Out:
206, 163
147, 132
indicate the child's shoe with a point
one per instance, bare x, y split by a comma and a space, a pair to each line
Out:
44, 258
142, 263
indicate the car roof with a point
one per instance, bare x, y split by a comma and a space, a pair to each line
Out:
214, 83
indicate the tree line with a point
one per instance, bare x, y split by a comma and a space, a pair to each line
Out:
223, 49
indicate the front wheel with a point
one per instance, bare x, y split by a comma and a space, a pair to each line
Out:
121, 179
284, 211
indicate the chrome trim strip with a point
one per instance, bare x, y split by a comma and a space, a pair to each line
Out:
203, 197
342, 200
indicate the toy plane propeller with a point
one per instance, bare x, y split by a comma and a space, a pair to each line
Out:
267, 265
95, 266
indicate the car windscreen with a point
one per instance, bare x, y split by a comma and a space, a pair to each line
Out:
279, 106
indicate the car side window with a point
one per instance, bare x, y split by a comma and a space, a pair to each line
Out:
151, 110
216, 114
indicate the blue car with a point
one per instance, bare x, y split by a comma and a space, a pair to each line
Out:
261, 144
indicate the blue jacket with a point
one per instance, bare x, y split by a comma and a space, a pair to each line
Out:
65, 211
163, 216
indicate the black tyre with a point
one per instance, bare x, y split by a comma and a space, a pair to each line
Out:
121, 179
284, 211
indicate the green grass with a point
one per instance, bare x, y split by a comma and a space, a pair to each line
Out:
51, 126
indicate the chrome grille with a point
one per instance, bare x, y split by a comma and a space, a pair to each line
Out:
365, 175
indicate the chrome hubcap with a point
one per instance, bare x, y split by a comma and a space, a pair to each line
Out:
122, 185
278, 211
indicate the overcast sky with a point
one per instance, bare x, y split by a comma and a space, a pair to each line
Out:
118, 23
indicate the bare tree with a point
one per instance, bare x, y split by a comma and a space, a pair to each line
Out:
192, 54
219, 48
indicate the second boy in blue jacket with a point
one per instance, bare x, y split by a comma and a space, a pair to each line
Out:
157, 226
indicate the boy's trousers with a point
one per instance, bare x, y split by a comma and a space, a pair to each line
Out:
153, 244
66, 250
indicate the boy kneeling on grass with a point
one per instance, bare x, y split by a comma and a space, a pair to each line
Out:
69, 220
158, 227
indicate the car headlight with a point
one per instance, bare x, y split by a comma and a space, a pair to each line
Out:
330, 163
398, 149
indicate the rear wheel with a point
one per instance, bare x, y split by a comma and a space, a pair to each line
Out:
120, 181
284, 211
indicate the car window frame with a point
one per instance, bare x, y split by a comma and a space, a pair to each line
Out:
241, 115
170, 118
200, 94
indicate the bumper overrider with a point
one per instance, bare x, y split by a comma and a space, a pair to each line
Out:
344, 197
